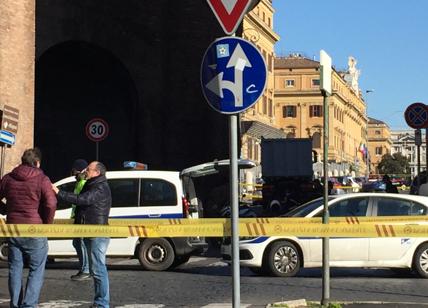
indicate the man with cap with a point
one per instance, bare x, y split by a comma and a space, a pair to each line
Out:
77, 170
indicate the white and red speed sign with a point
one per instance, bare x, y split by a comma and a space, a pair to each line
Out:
97, 129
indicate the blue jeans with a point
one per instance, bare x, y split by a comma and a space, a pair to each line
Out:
82, 254
34, 251
97, 248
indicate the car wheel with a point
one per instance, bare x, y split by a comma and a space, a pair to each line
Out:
4, 251
156, 254
420, 261
282, 260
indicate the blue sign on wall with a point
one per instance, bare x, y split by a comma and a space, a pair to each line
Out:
7, 137
233, 75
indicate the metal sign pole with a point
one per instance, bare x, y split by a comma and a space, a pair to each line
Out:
325, 240
326, 90
426, 150
234, 204
3, 152
96, 150
418, 154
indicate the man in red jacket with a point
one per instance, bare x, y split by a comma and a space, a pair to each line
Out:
29, 200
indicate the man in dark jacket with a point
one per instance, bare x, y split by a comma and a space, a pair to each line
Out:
94, 202
29, 200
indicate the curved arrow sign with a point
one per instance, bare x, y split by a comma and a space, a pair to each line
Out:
233, 75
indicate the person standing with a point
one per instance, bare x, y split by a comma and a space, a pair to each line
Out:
29, 200
94, 203
389, 187
77, 169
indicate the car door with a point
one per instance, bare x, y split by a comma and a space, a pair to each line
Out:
344, 249
393, 248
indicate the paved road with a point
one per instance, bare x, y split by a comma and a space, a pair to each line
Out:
206, 282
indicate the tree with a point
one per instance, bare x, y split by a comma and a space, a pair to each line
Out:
394, 164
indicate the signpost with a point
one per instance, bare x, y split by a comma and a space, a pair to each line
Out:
97, 130
416, 116
9, 119
233, 76
7, 137
325, 86
8, 130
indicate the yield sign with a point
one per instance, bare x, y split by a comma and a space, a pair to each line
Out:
229, 13
416, 115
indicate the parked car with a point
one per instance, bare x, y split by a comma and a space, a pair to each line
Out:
349, 181
374, 186
147, 194
285, 255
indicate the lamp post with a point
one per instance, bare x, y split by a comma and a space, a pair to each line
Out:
367, 136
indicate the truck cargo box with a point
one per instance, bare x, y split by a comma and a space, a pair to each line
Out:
286, 157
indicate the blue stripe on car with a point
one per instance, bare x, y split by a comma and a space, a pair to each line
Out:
258, 240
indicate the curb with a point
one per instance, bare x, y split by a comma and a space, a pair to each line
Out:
300, 303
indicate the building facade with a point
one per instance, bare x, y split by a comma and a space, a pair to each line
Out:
379, 143
403, 141
299, 112
259, 121
135, 64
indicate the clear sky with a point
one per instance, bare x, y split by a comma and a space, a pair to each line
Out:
388, 38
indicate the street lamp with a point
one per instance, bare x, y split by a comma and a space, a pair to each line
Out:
367, 136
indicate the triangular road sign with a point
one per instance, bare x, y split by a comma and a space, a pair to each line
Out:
229, 13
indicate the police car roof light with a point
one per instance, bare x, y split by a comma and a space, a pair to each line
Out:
134, 165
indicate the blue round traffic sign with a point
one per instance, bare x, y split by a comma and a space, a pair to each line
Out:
416, 115
233, 75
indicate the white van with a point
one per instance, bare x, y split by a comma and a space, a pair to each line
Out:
143, 194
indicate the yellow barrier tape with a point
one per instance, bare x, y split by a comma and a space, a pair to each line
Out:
265, 220
216, 229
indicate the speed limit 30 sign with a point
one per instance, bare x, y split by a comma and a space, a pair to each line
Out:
97, 129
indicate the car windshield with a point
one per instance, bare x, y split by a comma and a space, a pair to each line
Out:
305, 209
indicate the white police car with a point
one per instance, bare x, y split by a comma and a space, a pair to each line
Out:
285, 255
145, 194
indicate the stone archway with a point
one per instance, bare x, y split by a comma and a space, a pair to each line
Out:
75, 82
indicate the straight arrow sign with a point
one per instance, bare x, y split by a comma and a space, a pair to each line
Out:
229, 13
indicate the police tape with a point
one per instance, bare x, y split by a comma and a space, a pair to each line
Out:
265, 220
246, 229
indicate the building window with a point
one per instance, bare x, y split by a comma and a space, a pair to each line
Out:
289, 83
290, 135
377, 132
250, 148
269, 22
270, 108
316, 140
264, 104
289, 111
256, 151
315, 82
378, 151
315, 111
